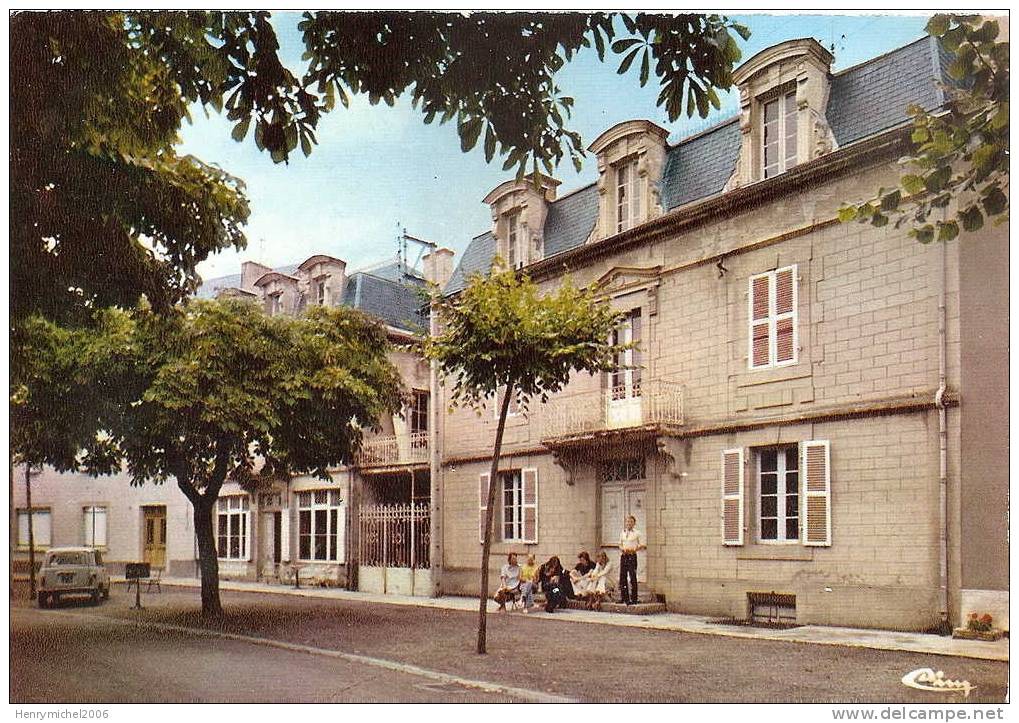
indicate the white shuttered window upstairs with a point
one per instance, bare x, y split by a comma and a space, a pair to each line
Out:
773, 328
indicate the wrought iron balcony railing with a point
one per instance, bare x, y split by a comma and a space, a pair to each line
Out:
394, 449
653, 401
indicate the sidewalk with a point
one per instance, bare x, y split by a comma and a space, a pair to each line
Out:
813, 634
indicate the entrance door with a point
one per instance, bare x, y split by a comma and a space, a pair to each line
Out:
154, 540
271, 548
618, 501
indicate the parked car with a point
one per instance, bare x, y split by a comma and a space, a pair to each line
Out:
70, 571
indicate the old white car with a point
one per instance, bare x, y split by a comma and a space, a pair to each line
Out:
70, 571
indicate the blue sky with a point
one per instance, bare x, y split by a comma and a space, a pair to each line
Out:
379, 169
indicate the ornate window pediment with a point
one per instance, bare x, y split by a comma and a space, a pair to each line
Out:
628, 279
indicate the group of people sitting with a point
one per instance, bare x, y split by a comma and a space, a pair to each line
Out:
588, 581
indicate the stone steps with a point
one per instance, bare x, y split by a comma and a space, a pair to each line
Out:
647, 605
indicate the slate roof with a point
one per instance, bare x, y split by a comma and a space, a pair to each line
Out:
866, 99
384, 290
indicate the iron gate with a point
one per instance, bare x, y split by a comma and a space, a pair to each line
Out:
395, 536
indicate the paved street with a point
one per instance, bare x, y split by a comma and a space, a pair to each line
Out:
79, 653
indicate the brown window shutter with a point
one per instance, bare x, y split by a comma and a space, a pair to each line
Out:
784, 296
635, 335
530, 506
816, 493
483, 482
759, 297
784, 344
732, 497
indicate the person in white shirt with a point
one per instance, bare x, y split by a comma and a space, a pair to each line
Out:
600, 581
509, 581
630, 543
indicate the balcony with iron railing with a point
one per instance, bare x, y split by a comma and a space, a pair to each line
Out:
393, 450
648, 403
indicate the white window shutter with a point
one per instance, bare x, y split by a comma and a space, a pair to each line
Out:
530, 506
759, 317
483, 482
785, 315
732, 496
816, 493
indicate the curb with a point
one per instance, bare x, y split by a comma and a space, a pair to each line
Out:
532, 696
695, 627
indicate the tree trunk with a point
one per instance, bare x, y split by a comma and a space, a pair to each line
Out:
31, 533
208, 561
486, 547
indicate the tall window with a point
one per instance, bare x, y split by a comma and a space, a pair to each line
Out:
320, 291
774, 339
41, 527
779, 134
232, 527
779, 501
511, 411
628, 196
274, 304
320, 520
626, 377
419, 412
512, 506
94, 525
513, 249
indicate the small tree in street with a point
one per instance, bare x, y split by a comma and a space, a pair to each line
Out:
217, 390
501, 337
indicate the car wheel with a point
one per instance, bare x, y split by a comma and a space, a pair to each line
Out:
106, 593
54, 600
43, 600
97, 595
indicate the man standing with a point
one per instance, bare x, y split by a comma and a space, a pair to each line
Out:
630, 543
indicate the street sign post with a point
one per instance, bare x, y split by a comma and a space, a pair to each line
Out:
135, 572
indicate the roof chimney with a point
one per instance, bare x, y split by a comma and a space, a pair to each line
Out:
439, 267
251, 272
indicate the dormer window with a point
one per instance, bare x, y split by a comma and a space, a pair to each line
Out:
779, 134
783, 95
519, 208
631, 157
513, 250
628, 195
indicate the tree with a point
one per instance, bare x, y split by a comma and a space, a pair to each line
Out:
959, 164
502, 339
103, 209
214, 391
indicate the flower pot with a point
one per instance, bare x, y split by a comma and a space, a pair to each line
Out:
987, 635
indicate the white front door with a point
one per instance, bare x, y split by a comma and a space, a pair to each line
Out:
618, 501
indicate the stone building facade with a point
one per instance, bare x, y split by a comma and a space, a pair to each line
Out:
812, 426
305, 526
816, 426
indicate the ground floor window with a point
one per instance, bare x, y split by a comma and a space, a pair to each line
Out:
512, 506
232, 527
779, 500
94, 525
319, 525
41, 527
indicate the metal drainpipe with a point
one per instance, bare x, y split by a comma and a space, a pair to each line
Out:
939, 402
435, 523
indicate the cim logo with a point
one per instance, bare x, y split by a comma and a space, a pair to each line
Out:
927, 679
